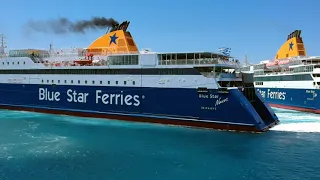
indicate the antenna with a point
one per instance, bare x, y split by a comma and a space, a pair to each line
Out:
246, 59
2, 45
51, 50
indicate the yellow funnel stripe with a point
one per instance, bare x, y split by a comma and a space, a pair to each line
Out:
292, 47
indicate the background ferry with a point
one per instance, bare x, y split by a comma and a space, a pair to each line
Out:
112, 79
292, 80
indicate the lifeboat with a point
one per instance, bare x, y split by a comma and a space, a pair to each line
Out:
87, 61
83, 62
57, 64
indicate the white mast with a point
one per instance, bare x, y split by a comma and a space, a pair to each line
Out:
2, 46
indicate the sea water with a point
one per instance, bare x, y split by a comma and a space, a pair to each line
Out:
40, 146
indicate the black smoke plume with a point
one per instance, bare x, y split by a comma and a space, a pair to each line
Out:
64, 25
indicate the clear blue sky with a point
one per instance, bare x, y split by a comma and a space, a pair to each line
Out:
255, 27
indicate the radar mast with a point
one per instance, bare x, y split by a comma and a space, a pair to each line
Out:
2, 46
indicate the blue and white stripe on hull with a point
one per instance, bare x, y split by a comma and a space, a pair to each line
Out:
292, 98
169, 104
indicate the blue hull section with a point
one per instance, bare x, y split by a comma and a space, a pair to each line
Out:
181, 104
298, 99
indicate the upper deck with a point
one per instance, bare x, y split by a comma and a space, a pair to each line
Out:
76, 57
116, 48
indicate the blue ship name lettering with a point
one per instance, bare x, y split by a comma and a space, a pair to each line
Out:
273, 94
46, 95
117, 99
81, 97
74, 96
263, 93
219, 101
213, 96
310, 91
276, 95
208, 96
203, 96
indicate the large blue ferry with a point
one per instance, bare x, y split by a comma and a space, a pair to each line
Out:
113, 79
292, 80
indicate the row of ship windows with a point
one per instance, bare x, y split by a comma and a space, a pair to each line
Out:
85, 81
261, 83
302, 77
137, 71
14, 63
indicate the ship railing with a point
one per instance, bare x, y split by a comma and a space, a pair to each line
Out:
311, 62
305, 68
221, 75
65, 53
94, 54
201, 61
59, 55
282, 72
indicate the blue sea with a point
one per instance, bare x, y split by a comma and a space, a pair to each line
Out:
40, 146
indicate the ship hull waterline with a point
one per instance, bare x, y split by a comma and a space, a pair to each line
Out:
191, 124
156, 105
304, 100
308, 110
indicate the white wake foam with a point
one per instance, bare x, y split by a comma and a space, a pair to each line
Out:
298, 127
295, 121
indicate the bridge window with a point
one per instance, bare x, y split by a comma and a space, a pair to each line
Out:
123, 60
303, 69
258, 66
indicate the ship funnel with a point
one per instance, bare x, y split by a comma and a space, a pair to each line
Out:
116, 41
292, 47
123, 26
